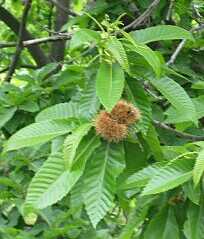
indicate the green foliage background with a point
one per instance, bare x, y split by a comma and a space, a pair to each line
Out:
58, 179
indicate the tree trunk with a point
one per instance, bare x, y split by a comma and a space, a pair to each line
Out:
61, 18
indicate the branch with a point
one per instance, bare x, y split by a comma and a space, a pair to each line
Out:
151, 93
176, 52
178, 133
60, 37
48, 39
142, 17
7, 44
181, 45
14, 25
198, 16
169, 12
19, 46
59, 65
61, 18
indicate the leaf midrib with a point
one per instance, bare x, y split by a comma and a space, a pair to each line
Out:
111, 83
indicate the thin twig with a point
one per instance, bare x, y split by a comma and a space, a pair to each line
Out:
19, 46
169, 12
142, 17
178, 133
48, 39
152, 94
68, 11
60, 64
7, 44
37, 41
62, 36
156, 97
197, 14
176, 52
181, 45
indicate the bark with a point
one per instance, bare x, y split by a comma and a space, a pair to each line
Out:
61, 18
36, 52
19, 45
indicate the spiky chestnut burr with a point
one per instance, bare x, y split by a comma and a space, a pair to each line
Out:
125, 113
109, 128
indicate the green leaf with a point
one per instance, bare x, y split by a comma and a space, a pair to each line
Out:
136, 157
48, 179
76, 197
71, 76
89, 102
149, 55
100, 180
41, 73
177, 96
174, 174
138, 96
154, 144
192, 192
29, 106
135, 218
72, 141
199, 85
38, 133
109, 84
163, 226
194, 225
117, 50
57, 144
199, 167
158, 33
174, 116
83, 36
6, 114
8, 182
199, 102
52, 182
140, 178
58, 111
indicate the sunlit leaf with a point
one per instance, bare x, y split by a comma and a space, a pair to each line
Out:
162, 32
109, 84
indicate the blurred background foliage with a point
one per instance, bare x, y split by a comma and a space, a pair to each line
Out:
34, 87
